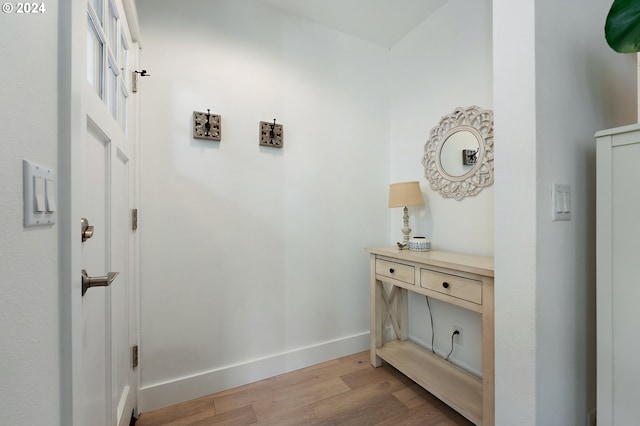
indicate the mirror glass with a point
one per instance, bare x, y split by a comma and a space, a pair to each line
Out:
451, 152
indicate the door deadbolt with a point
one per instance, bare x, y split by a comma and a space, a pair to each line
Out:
87, 230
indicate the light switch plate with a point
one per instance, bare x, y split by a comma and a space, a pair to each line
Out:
560, 202
38, 184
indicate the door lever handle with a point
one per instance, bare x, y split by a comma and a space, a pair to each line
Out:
103, 281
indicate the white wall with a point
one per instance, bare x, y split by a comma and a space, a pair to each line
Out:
444, 63
254, 256
580, 71
556, 83
29, 296
515, 212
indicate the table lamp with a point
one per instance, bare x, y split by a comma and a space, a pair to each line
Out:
404, 194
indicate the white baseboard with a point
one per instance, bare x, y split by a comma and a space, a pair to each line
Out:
160, 395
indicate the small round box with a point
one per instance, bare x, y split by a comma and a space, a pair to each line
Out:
419, 244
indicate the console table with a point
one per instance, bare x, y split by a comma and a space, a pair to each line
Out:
462, 280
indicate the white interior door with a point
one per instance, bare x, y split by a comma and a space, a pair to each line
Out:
103, 192
96, 261
123, 312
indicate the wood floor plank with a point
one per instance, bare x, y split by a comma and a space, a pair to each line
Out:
283, 379
367, 376
373, 392
290, 417
291, 396
164, 416
428, 415
239, 417
371, 412
417, 417
287, 402
291, 382
409, 398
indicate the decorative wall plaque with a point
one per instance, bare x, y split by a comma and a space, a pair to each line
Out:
206, 126
271, 134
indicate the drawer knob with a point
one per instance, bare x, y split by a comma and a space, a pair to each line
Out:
445, 284
391, 270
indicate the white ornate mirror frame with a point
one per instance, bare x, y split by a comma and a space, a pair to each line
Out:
478, 122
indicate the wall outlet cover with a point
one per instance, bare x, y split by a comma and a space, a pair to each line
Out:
458, 337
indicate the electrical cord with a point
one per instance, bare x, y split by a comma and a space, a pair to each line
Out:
431, 318
455, 332
451, 351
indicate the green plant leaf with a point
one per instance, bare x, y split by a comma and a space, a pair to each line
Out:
622, 29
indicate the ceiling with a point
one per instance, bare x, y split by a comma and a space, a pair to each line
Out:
382, 22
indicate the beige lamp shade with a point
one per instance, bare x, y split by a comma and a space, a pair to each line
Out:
404, 194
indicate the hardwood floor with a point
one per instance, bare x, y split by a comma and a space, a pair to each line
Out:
345, 391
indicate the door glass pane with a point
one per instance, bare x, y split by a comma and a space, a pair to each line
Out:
123, 57
112, 28
94, 58
112, 88
97, 8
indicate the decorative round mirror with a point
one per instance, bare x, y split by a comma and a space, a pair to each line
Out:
458, 157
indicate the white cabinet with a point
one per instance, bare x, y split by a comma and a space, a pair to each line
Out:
618, 278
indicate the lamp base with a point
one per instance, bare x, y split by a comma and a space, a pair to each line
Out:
405, 229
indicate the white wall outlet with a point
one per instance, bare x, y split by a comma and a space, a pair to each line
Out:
457, 339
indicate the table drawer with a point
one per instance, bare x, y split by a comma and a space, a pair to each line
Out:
453, 285
395, 270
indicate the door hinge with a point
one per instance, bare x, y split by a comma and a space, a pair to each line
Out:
134, 219
134, 356
134, 81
